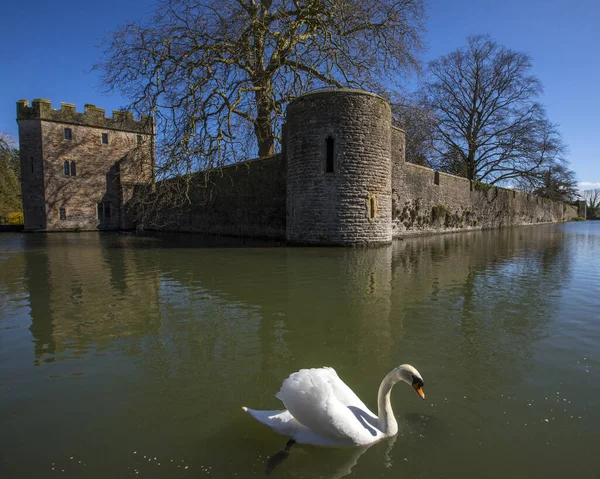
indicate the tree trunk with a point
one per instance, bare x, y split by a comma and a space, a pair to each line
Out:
263, 126
471, 166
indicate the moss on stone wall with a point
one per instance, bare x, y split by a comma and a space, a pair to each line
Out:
480, 186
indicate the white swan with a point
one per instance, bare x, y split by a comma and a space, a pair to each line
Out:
323, 411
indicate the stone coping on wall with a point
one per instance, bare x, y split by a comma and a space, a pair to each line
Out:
461, 178
223, 169
471, 185
243, 163
41, 109
342, 91
413, 165
234, 166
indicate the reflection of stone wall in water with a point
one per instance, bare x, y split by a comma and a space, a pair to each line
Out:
368, 282
481, 285
450, 259
82, 298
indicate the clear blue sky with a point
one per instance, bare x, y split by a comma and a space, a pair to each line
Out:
47, 49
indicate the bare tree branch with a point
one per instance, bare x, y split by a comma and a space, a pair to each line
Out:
215, 71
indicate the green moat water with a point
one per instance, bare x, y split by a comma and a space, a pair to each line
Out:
132, 356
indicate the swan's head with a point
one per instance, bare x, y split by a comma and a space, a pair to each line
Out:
410, 375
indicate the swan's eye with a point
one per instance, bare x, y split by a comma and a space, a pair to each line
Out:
417, 382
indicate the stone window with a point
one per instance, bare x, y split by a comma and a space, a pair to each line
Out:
371, 201
69, 168
62, 213
104, 211
105, 138
139, 140
68, 134
329, 155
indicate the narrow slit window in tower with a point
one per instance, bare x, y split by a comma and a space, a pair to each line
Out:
62, 213
105, 138
73, 169
329, 143
68, 134
66, 168
372, 207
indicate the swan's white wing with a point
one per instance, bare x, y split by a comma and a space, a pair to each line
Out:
284, 423
341, 390
280, 421
321, 401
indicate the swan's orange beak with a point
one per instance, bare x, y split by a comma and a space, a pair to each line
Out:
419, 390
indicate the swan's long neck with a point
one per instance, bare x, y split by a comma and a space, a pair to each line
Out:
387, 420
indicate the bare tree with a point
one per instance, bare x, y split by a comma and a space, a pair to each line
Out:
214, 72
557, 183
490, 126
417, 122
592, 199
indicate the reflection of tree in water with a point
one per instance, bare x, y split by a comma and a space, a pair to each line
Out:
11, 266
76, 303
498, 286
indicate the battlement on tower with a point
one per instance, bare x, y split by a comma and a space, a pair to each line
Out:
93, 116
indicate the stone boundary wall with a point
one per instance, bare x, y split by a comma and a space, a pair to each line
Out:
244, 199
424, 201
248, 199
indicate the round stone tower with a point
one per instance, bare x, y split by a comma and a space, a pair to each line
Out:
338, 149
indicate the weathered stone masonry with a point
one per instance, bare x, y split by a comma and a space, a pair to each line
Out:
351, 203
341, 179
82, 178
371, 196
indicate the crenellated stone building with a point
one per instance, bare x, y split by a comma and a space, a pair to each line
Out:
79, 170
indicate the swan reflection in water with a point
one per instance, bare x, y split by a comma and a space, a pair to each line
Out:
309, 461
332, 463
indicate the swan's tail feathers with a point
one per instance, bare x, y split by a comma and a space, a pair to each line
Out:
280, 421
